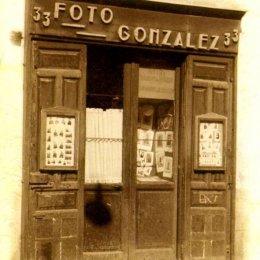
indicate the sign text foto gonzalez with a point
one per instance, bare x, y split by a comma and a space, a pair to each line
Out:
86, 17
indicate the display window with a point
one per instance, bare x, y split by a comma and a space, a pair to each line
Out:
104, 117
156, 120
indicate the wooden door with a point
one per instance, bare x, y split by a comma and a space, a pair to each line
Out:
106, 195
153, 185
143, 210
54, 221
205, 213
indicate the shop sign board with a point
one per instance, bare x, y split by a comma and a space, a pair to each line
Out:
134, 26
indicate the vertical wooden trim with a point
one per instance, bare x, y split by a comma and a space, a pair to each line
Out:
186, 153
181, 115
27, 108
177, 168
130, 117
81, 152
233, 82
127, 128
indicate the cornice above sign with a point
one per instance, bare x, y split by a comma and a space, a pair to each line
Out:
130, 26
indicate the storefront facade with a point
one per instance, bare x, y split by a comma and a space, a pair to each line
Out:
129, 131
141, 101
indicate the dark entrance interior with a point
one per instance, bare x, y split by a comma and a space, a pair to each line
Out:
141, 198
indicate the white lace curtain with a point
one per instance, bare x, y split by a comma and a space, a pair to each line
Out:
104, 129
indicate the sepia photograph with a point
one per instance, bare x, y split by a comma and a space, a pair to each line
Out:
129, 129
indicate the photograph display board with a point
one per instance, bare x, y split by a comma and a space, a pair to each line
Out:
155, 138
59, 139
210, 142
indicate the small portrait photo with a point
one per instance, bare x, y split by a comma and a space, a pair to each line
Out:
149, 158
140, 157
139, 138
167, 167
140, 171
145, 139
147, 171
159, 140
169, 141
159, 159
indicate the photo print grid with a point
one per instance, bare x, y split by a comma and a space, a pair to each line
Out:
155, 145
60, 138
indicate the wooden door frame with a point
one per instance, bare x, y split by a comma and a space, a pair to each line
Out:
186, 164
134, 68
28, 108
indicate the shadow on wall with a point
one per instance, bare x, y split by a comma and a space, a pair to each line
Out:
97, 211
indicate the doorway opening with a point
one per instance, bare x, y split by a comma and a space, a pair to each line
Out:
132, 120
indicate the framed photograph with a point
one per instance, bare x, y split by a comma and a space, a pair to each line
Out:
159, 141
147, 171
140, 171
159, 159
149, 158
140, 157
167, 167
169, 141
59, 139
145, 139
210, 142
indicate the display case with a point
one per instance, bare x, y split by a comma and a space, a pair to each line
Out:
155, 128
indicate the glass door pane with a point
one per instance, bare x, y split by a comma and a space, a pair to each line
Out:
155, 131
104, 117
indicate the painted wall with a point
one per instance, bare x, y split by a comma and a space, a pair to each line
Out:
247, 228
11, 121
248, 154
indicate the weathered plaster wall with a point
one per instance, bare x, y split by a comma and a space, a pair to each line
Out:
11, 120
248, 140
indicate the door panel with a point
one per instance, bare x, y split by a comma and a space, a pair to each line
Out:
152, 228
153, 200
56, 197
107, 156
104, 237
206, 193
